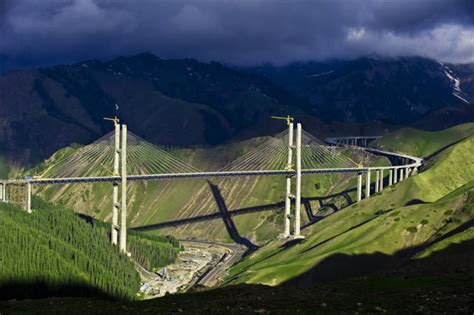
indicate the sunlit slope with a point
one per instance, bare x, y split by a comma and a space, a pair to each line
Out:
422, 208
175, 201
424, 143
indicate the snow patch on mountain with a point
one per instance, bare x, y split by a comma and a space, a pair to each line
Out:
457, 92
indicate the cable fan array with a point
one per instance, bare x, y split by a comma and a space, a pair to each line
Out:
273, 155
144, 158
315, 154
96, 159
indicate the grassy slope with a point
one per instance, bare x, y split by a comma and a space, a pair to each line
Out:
424, 143
382, 223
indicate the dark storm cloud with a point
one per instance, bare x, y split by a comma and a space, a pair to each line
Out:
240, 32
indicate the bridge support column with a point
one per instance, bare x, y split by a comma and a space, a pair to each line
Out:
115, 188
407, 172
123, 206
28, 197
2, 193
390, 177
377, 180
287, 219
359, 187
367, 185
401, 174
395, 175
381, 180
298, 183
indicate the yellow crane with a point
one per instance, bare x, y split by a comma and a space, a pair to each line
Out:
288, 119
114, 119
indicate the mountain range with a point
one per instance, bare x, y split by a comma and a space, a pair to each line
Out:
186, 102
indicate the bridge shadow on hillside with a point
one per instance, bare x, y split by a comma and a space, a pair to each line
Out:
325, 202
228, 222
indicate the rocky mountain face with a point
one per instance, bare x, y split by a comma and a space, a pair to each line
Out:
391, 90
172, 102
186, 102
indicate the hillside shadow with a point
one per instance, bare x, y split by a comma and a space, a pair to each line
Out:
223, 212
277, 206
19, 289
432, 155
342, 266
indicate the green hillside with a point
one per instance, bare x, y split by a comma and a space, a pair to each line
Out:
424, 143
54, 251
378, 231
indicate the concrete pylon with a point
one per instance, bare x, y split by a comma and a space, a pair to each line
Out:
2, 192
401, 174
298, 183
28, 197
123, 206
407, 172
367, 185
115, 188
395, 175
381, 180
359, 187
286, 232
377, 180
390, 177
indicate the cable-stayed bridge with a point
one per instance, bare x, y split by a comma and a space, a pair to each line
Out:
122, 156
146, 161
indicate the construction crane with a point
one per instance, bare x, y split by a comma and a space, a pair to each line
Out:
288, 119
114, 119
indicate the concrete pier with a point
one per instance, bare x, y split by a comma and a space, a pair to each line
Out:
2, 192
395, 175
390, 177
401, 174
359, 187
115, 188
367, 185
298, 183
377, 180
123, 206
28, 197
287, 219
381, 180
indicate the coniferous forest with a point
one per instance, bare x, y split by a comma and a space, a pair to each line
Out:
54, 251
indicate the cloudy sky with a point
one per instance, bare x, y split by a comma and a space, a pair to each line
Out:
42, 32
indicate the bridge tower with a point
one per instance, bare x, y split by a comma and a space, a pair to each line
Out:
289, 167
123, 206
288, 195
298, 184
115, 201
119, 231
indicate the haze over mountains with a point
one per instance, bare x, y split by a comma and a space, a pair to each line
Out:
186, 102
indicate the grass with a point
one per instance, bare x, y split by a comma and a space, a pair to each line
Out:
424, 143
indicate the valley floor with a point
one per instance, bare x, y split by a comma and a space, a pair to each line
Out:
202, 264
451, 295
